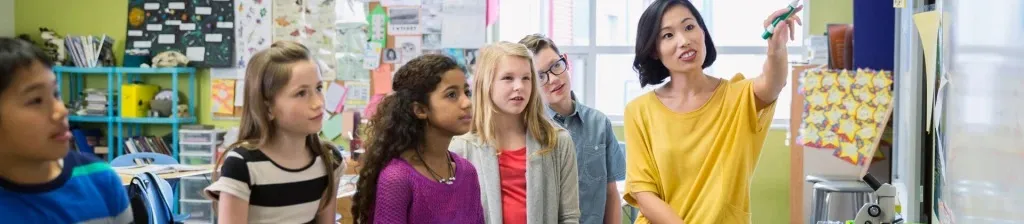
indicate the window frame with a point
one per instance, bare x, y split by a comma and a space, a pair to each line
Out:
590, 51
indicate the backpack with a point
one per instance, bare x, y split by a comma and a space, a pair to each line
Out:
150, 197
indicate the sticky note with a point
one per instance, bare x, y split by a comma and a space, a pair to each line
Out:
165, 39
176, 5
187, 26
151, 6
154, 27
172, 22
225, 25
203, 10
382, 79
135, 33
899, 4
214, 37
333, 127
195, 53
142, 44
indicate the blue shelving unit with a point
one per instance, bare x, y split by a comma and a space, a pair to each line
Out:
115, 77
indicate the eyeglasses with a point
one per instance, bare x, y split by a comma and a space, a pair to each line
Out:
556, 69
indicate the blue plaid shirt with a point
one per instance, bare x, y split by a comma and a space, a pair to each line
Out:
598, 155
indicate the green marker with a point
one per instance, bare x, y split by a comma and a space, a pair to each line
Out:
771, 28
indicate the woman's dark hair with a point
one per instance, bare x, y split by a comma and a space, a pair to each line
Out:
17, 54
651, 70
394, 128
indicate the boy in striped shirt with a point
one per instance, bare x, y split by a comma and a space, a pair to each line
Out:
41, 181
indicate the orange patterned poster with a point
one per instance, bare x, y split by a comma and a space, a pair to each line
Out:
223, 94
846, 111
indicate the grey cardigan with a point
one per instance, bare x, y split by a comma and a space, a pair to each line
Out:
552, 192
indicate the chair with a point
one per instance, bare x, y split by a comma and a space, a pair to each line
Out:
156, 158
129, 159
151, 199
825, 191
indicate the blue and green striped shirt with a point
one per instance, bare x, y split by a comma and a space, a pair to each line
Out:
87, 191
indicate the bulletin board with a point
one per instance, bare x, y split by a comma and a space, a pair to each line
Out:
201, 30
357, 40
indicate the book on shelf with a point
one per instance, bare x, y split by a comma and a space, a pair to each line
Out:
90, 51
152, 144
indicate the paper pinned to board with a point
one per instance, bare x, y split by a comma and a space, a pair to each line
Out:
371, 57
389, 3
223, 95
382, 79
927, 24
335, 97
333, 127
463, 25
358, 95
408, 47
239, 93
371, 108
347, 125
404, 21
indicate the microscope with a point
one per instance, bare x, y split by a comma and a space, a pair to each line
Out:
883, 209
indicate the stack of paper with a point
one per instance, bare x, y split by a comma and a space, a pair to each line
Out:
156, 169
96, 103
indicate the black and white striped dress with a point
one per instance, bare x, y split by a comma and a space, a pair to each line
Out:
275, 194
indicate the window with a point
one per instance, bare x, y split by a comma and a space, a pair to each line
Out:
739, 22
599, 35
521, 21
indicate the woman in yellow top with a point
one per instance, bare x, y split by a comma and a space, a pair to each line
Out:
693, 143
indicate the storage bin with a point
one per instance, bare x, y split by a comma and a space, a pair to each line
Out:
192, 187
195, 160
198, 149
198, 136
199, 211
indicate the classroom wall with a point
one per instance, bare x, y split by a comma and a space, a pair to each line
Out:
7, 18
770, 185
106, 17
824, 12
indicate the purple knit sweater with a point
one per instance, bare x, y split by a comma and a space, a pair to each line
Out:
406, 196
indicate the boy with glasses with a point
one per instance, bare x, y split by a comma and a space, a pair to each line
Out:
601, 162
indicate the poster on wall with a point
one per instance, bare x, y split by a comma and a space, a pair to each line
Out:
204, 31
404, 21
310, 22
351, 51
252, 34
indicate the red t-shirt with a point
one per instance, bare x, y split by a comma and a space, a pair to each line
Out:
512, 168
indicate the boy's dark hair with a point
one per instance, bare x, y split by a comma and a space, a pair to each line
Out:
651, 70
17, 54
394, 128
536, 42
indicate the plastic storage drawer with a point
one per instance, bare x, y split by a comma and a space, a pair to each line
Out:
198, 211
205, 149
197, 136
195, 160
192, 187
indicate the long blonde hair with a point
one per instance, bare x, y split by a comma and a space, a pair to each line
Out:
537, 123
268, 71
